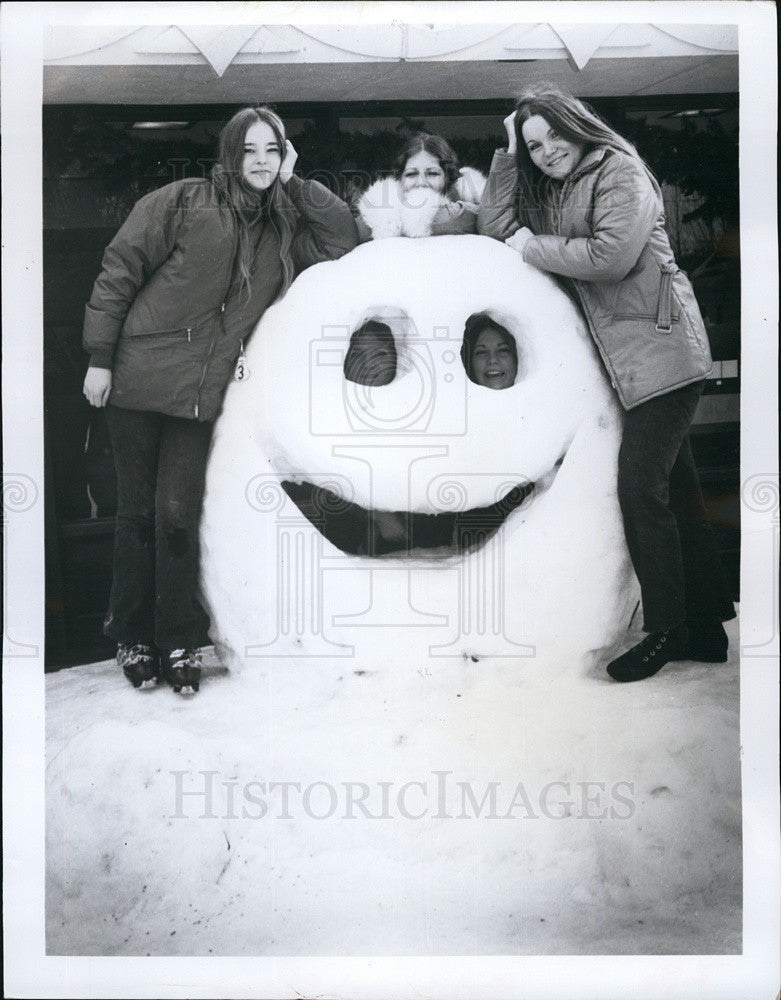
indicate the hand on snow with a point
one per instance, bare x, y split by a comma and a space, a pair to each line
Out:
518, 240
97, 386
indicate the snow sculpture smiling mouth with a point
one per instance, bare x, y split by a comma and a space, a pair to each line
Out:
421, 471
358, 531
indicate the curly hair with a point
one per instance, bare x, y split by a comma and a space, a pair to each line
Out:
436, 146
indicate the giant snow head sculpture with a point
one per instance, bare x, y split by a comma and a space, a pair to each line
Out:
366, 498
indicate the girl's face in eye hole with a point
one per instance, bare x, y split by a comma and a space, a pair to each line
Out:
494, 364
262, 157
371, 360
423, 170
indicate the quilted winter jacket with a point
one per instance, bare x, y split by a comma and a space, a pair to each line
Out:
167, 315
609, 241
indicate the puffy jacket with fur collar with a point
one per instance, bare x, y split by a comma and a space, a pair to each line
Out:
385, 211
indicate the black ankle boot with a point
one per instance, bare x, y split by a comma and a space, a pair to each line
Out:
651, 654
707, 640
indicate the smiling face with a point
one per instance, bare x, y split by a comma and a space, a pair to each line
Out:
423, 491
554, 155
423, 170
494, 362
262, 157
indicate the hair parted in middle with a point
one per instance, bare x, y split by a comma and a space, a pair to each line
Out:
251, 206
576, 122
474, 326
436, 146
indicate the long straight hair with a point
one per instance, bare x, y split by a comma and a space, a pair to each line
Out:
250, 206
574, 121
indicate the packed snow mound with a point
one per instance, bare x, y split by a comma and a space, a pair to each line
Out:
475, 809
424, 463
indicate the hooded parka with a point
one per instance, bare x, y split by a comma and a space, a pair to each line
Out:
169, 313
606, 222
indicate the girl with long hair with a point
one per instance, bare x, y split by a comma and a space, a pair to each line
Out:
427, 194
183, 284
575, 199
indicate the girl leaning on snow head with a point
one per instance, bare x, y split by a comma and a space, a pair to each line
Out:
427, 194
183, 284
575, 199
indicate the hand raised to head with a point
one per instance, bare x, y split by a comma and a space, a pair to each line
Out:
288, 162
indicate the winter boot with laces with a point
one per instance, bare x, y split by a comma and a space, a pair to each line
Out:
138, 661
182, 668
651, 654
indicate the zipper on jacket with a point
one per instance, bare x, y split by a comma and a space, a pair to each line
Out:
206, 364
222, 312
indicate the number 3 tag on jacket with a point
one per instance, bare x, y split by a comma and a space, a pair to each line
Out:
241, 374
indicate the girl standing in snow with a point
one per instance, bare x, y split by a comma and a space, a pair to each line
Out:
575, 199
427, 194
183, 284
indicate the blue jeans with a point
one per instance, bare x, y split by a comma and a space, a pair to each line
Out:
665, 521
161, 465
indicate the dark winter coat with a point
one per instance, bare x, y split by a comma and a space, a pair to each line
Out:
168, 312
608, 238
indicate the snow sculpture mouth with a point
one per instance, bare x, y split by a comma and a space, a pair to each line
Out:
357, 530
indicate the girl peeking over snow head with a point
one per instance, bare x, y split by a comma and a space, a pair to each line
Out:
427, 194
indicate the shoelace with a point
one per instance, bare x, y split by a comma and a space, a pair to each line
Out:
184, 654
137, 651
646, 644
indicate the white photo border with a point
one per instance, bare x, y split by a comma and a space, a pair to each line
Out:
29, 972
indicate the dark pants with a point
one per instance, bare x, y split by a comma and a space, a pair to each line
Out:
670, 542
161, 464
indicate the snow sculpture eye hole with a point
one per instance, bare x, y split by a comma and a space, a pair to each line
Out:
489, 352
371, 357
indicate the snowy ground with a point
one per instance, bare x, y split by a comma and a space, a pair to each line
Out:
648, 861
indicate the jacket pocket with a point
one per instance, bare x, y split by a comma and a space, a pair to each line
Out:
646, 293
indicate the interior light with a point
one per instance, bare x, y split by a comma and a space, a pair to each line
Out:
159, 126
694, 112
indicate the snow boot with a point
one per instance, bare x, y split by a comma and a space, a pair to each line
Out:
650, 655
182, 668
707, 640
138, 661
